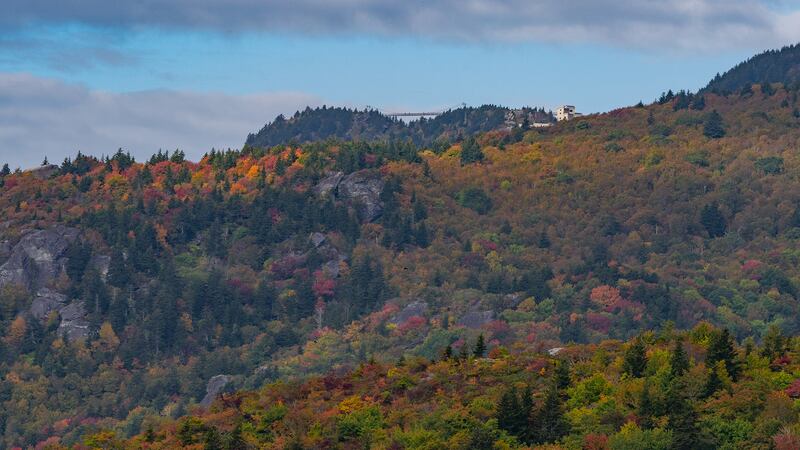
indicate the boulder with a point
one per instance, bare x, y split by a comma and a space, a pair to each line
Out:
417, 308
360, 189
37, 258
215, 385
476, 319
5, 250
45, 302
44, 172
316, 239
100, 263
74, 324
363, 189
328, 185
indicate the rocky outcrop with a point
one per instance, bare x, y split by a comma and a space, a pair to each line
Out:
45, 302
361, 190
418, 309
45, 172
100, 263
476, 319
214, 387
328, 185
37, 258
316, 239
74, 324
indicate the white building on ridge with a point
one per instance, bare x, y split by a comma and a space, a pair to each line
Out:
566, 112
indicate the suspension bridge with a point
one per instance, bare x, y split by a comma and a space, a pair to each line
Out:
418, 114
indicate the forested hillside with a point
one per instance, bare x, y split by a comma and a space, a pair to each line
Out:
660, 391
371, 125
773, 66
135, 292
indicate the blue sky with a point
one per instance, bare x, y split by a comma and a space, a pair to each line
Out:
83, 75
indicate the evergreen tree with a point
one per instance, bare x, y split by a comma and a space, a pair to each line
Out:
720, 348
482, 438
480, 347
421, 235
635, 359
679, 361
713, 382
714, 128
448, 353
463, 354
234, 439
509, 411
470, 151
774, 343
682, 419
562, 374
118, 272
646, 408
699, 103
5, 171
549, 422
713, 221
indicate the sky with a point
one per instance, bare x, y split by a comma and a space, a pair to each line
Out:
95, 76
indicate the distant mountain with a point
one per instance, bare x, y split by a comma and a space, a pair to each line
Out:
772, 66
371, 125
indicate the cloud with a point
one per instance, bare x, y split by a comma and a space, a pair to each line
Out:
691, 24
44, 117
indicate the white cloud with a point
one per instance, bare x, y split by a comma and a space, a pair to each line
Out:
704, 24
44, 117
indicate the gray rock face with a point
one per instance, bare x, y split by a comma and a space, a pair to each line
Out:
5, 250
316, 239
45, 302
476, 319
37, 258
361, 189
73, 322
329, 184
45, 172
100, 263
215, 385
418, 308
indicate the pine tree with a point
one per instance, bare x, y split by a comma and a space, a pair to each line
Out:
549, 423
635, 359
699, 103
480, 347
463, 354
470, 151
508, 411
421, 235
562, 374
646, 409
713, 221
448, 353
679, 361
774, 343
720, 348
713, 382
682, 419
714, 128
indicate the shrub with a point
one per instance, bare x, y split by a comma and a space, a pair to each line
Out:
475, 199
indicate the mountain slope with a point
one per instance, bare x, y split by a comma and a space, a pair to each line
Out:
773, 66
370, 125
134, 290
588, 396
